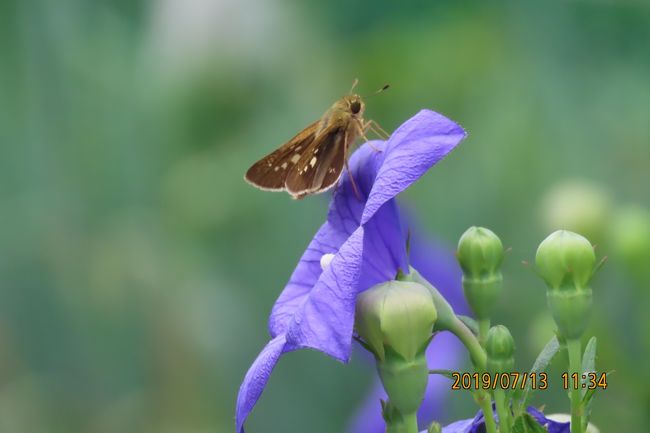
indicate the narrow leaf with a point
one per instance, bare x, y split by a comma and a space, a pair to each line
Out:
543, 360
525, 423
588, 362
588, 400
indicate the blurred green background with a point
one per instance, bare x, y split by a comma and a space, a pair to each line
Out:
137, 268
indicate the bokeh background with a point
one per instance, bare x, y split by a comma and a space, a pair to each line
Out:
137, 268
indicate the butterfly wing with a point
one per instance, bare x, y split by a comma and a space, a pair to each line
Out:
320, 167
270, 173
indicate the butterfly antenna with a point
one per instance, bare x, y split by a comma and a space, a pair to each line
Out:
354, 84
386, 86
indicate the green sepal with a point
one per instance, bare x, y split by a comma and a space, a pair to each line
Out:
571, 310
405, 381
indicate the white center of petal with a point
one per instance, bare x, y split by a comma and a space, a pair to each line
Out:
325, 260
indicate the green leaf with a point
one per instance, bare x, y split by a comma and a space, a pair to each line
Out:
469, 322
588, 361
525, 423
588, 399
543, 360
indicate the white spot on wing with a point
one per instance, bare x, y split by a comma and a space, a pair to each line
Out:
276, 168
284, 165
313, 161
295, 158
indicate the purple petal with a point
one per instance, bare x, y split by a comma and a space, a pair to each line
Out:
551, 426
412, 149
477, 424
463, 426
343, 219
328, 240
325, 319
256, 377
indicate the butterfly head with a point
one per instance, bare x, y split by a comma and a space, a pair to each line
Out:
354, 104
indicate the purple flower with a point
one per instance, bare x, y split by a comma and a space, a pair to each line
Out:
366, 240
477, 424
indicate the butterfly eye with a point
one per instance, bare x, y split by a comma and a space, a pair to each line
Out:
355, 107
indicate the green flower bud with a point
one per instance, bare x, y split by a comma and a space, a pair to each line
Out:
480, 253
631, 240
395, 320
500, 349
395, 314
579, 206
434, 427
566, 261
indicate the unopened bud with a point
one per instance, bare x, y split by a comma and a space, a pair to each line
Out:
631, 240
434, 427
395, 320
480, 253
566, 261
500, 349
395, 314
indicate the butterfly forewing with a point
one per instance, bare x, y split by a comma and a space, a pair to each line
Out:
271, 172
320, 166
313, 160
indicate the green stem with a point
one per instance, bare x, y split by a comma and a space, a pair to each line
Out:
483, 329
479, 359
502, 410
465, 335
403, 424
575, 367
485, 403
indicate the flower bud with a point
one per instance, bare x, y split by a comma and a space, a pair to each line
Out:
395, 314
480, 253
500, 349
434, 427
566, 261
631, 240
578, 205
395, 320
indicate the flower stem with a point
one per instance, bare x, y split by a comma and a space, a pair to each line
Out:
479, 359
575, 366
483, 329
403, 424
502, 410
482, 397
465, 335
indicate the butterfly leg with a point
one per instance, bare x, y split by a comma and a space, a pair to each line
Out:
373, 126
354, 184
363, 128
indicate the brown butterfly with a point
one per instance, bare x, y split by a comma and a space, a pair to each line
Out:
313, 160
